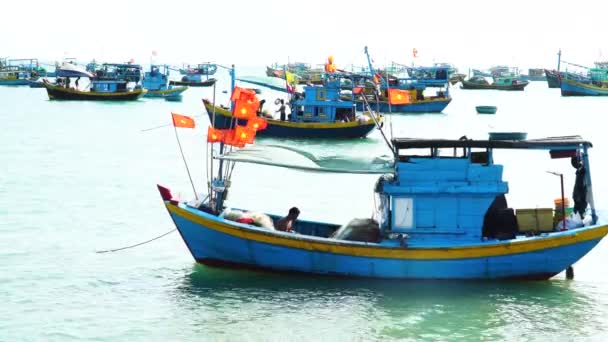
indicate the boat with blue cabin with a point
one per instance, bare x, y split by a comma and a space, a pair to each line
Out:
441, 214
156, 81
197, 76
319, 112
109, 82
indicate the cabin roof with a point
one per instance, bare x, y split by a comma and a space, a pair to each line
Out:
549, 143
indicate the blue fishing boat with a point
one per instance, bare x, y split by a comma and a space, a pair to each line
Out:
571, 87
197, 76
417, 82
16, 72
320, 112
156, 81
110, 82
442, 215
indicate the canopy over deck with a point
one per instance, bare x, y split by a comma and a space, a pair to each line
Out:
550, 143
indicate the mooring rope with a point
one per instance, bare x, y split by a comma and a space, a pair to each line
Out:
138, 244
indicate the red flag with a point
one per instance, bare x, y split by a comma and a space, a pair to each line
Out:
398, 96
230, 139
244, 134
357, 90
182, 121
415, 52
257, 123
215, 135
246, 103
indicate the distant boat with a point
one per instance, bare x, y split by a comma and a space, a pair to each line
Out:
305, 73
500, 83
486, 109
416, 84
111, 82
205, 69
552, 78
186, 82
16, 72
197, 76
156, 81
535, 75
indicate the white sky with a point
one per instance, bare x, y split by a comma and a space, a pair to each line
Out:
465, 33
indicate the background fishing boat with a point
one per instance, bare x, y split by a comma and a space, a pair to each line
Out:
534, 75
320, 112
110, 82
414, 88
19, 71
156, 82
196, 76
500, 83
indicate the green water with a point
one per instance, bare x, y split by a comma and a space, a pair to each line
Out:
79, 177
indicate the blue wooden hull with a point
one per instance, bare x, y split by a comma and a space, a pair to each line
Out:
573, 88
214, 241
285, 129
428, 106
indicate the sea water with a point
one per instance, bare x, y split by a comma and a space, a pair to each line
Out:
80, 177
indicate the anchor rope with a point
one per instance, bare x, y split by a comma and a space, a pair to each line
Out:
137, 244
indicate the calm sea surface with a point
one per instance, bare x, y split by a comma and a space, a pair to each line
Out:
80, 177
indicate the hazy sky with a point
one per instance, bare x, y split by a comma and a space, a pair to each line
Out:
466, 33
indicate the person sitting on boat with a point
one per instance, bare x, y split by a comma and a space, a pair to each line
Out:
282, 110
76, 83
286, 223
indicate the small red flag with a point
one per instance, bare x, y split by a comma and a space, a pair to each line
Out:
357, 90
215, 135
182, 121
244, 134
257, 123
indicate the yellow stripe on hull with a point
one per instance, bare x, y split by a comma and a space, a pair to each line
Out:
375, 251
327, 125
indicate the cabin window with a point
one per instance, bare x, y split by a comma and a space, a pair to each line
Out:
321, 94
403, 212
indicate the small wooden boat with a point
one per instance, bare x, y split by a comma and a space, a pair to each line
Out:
186, 82
486, 109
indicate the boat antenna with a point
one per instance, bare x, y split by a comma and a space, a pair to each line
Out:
371, 70
183, 157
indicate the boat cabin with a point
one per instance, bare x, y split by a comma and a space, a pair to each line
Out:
454, 191
113, 78
157, 78
323, 103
